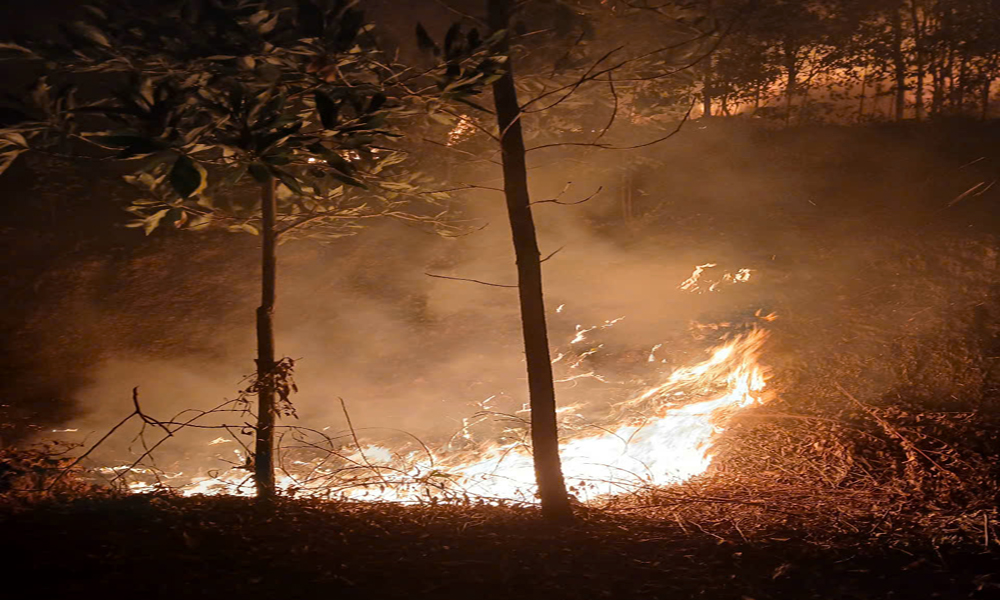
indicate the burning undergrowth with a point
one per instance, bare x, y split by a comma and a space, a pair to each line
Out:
885, 415
879, 421
661, 432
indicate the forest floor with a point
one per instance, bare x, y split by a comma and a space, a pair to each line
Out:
165, 546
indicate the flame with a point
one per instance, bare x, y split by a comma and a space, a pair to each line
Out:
663, 435
695, 284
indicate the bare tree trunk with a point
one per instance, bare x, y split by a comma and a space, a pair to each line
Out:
264, 450
985, 113
899, 62
541, 388
706, 100
950, 69
791, 66
918, 41
963, 80
864, 91
937, 96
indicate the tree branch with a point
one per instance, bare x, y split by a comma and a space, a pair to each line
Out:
470, 280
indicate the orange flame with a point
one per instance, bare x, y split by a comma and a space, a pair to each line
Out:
664, 435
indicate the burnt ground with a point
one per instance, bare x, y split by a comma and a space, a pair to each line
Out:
163, 547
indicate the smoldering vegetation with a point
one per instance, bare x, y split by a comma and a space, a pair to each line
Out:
881, 273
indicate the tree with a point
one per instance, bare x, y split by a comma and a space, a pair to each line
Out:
544, 427
220, 99
562, 76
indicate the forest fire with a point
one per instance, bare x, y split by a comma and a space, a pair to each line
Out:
661, 435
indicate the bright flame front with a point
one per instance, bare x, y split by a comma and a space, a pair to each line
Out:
661, 436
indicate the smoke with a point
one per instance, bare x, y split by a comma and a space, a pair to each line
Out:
817, 226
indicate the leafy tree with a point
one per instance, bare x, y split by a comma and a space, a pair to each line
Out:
247, 115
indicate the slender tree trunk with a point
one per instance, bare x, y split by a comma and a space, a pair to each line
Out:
985, 112
899, 62
937, 96
541, 388
706, 100
963, 80
264, 451
918, 42
950, 70
919, 92
864, 92
791, 66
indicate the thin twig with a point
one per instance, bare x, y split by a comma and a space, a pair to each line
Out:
470, 280
354, 435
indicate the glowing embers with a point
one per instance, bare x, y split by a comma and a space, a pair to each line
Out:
462, 130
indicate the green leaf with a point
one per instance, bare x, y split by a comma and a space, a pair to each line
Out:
12, 138
288, 180
349, 180
141, 147
275, 138
327, 109
442, 118
277, 159
233, 177
397, 186
7, 159
91, 33
175, 216
187, 177
259, 172
471, 103
424, 41
473, 40
152, 221
332, 158
15, 48
450, 50
340, 163
375, 103
198, 222
495, 37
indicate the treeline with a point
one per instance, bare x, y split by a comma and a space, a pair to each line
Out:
841, 60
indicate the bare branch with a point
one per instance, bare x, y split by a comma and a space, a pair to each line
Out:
591, 74
464, 187
470, 280
556, 200
610, 147
614, 110
557, 251
477, 159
